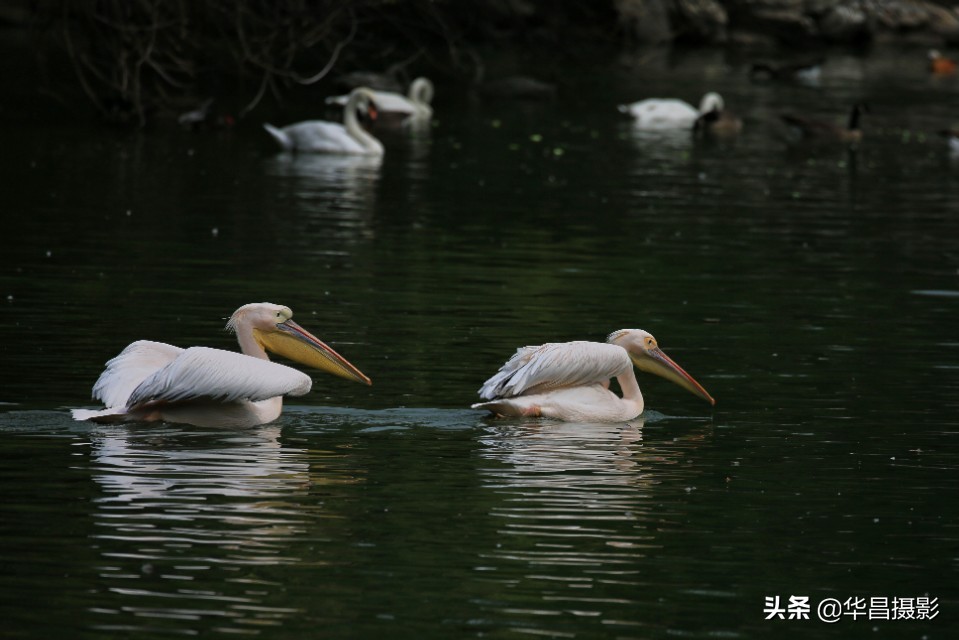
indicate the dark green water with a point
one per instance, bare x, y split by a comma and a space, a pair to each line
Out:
813, 292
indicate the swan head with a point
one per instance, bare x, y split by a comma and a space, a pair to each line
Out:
646, 356
273, 329
712, 101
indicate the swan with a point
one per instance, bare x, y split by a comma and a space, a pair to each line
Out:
320, 136
670, 113
415, 104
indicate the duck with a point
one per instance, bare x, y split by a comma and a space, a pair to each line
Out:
321, 136
809, 129
718, 121
805, 71
940, 64
670, 113
415, 104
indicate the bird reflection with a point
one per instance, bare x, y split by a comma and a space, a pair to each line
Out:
180, 508
354, 175
572, 494
346, 186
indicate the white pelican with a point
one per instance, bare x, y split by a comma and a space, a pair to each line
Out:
670, 113
320, 136
415, 104
152, 381
570, 380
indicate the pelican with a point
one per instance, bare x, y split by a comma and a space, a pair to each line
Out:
570, 380
670, 113
151, 381
415, 104
320, 136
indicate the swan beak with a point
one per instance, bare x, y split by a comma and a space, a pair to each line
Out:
657, 362
292, 341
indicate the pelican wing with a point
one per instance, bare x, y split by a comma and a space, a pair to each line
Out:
556, 365
201, 372
132, 366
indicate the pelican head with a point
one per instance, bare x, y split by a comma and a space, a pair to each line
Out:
272, 328
646, 355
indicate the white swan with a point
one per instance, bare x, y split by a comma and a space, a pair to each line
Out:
415, 104
320, 136
670, 113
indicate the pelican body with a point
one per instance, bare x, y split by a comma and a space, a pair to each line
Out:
321, 136
153, 381
415, 104
570, 380
670, 113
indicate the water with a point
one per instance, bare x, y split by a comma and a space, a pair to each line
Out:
812, 291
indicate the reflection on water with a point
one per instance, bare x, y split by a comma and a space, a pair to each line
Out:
179, 508
814, 290
349, 180
579, 513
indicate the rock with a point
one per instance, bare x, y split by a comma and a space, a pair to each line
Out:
645, 20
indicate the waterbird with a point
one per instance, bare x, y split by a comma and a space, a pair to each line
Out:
811, 129
569, 381
321, 136
940, 64
153, 381
804, 71
718, 121
415, 104
670, 113
952, 139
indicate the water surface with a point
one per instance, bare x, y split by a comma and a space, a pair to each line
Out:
812, 291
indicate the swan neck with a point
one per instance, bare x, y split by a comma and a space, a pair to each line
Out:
352, 124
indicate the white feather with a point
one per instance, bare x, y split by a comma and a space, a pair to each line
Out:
133, 365
556, 365
416, 103
320, 136
224, 376
317, 136
670, 113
